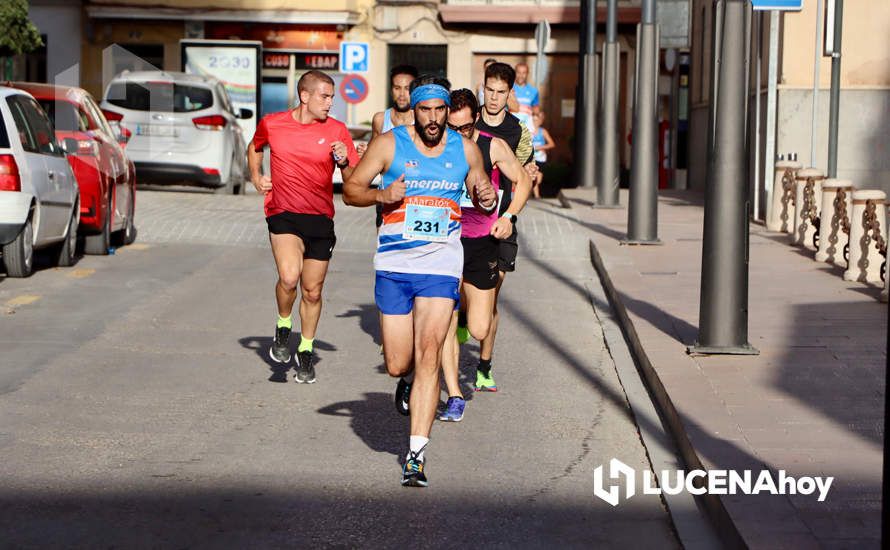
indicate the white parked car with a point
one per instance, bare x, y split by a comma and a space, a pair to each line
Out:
182, 128
39, 198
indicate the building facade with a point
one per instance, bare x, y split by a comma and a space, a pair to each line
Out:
864, 125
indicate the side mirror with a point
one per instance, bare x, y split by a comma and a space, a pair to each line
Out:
70, 146
245, 113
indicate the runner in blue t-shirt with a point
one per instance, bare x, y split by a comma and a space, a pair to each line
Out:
527, 97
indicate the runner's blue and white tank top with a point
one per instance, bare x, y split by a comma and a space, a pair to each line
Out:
538, 139
387, 121
421, 234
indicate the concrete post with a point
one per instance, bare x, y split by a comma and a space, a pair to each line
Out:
607, 141
585, 130
865, 259
723, 313
834, 221
807, 192
781, 211
642, 214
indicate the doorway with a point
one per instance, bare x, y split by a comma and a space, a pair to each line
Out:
427, 59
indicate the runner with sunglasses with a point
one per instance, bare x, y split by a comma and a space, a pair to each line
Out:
480, 237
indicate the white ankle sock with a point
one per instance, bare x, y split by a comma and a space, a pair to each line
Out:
417, 444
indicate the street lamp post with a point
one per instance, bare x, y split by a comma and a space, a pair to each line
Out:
723, 312
835, 100
642, 223
585, 123
607, 158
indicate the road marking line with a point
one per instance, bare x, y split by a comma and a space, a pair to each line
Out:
22, 300
81, 273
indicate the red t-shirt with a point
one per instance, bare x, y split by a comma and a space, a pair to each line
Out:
302, 163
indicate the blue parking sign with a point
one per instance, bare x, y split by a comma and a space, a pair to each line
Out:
354, 57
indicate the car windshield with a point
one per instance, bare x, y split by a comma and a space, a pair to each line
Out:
166, 97
64, 115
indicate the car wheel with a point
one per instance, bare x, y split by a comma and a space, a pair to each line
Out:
127, 235
19, 254
98, 245
69, 246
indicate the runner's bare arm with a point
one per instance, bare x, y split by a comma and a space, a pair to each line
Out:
377, 124
505, 160
263, 184
341, 151
357, 189
478, 184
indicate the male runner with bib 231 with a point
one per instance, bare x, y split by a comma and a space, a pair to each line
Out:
419, 256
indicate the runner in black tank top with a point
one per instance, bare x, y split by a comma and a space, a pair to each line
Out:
481, 239
499, 80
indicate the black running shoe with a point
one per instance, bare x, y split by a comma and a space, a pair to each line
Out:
280, 351
403, 393
412, 472
305, 368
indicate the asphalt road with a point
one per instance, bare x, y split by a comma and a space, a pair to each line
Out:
140, 410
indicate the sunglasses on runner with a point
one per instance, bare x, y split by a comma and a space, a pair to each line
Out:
462, 129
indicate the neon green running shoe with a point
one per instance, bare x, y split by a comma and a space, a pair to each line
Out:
463, 334
485, 382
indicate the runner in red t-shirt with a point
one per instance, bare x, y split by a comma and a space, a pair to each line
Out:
299, 202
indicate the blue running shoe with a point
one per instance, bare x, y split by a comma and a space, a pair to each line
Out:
412, 472
454, 410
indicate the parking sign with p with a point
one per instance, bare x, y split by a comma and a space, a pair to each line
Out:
354, 57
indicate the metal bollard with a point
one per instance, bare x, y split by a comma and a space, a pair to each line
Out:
780, 215
833, 232
868, 245
807, 187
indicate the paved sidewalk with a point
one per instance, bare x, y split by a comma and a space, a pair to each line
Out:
811, 403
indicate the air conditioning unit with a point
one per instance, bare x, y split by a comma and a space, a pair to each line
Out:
389, 19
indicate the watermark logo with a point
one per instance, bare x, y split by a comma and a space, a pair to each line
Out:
699, 482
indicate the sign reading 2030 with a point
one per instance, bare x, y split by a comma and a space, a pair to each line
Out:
229, 62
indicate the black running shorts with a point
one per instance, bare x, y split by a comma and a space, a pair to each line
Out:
481, 261
316, 231
507, 253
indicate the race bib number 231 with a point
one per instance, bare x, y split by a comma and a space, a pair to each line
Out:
426, 223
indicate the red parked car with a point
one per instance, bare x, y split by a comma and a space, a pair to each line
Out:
106, 177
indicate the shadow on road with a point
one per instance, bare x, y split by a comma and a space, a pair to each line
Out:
261, 345
372, 420
368, 320
245, 515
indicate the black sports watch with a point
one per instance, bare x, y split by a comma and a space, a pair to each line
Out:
509, 216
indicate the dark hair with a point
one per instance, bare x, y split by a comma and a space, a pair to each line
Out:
409, 70
309, 79
464, 98
425, 79
489, 61
501, 71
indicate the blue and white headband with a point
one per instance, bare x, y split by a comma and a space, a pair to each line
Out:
430, 91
